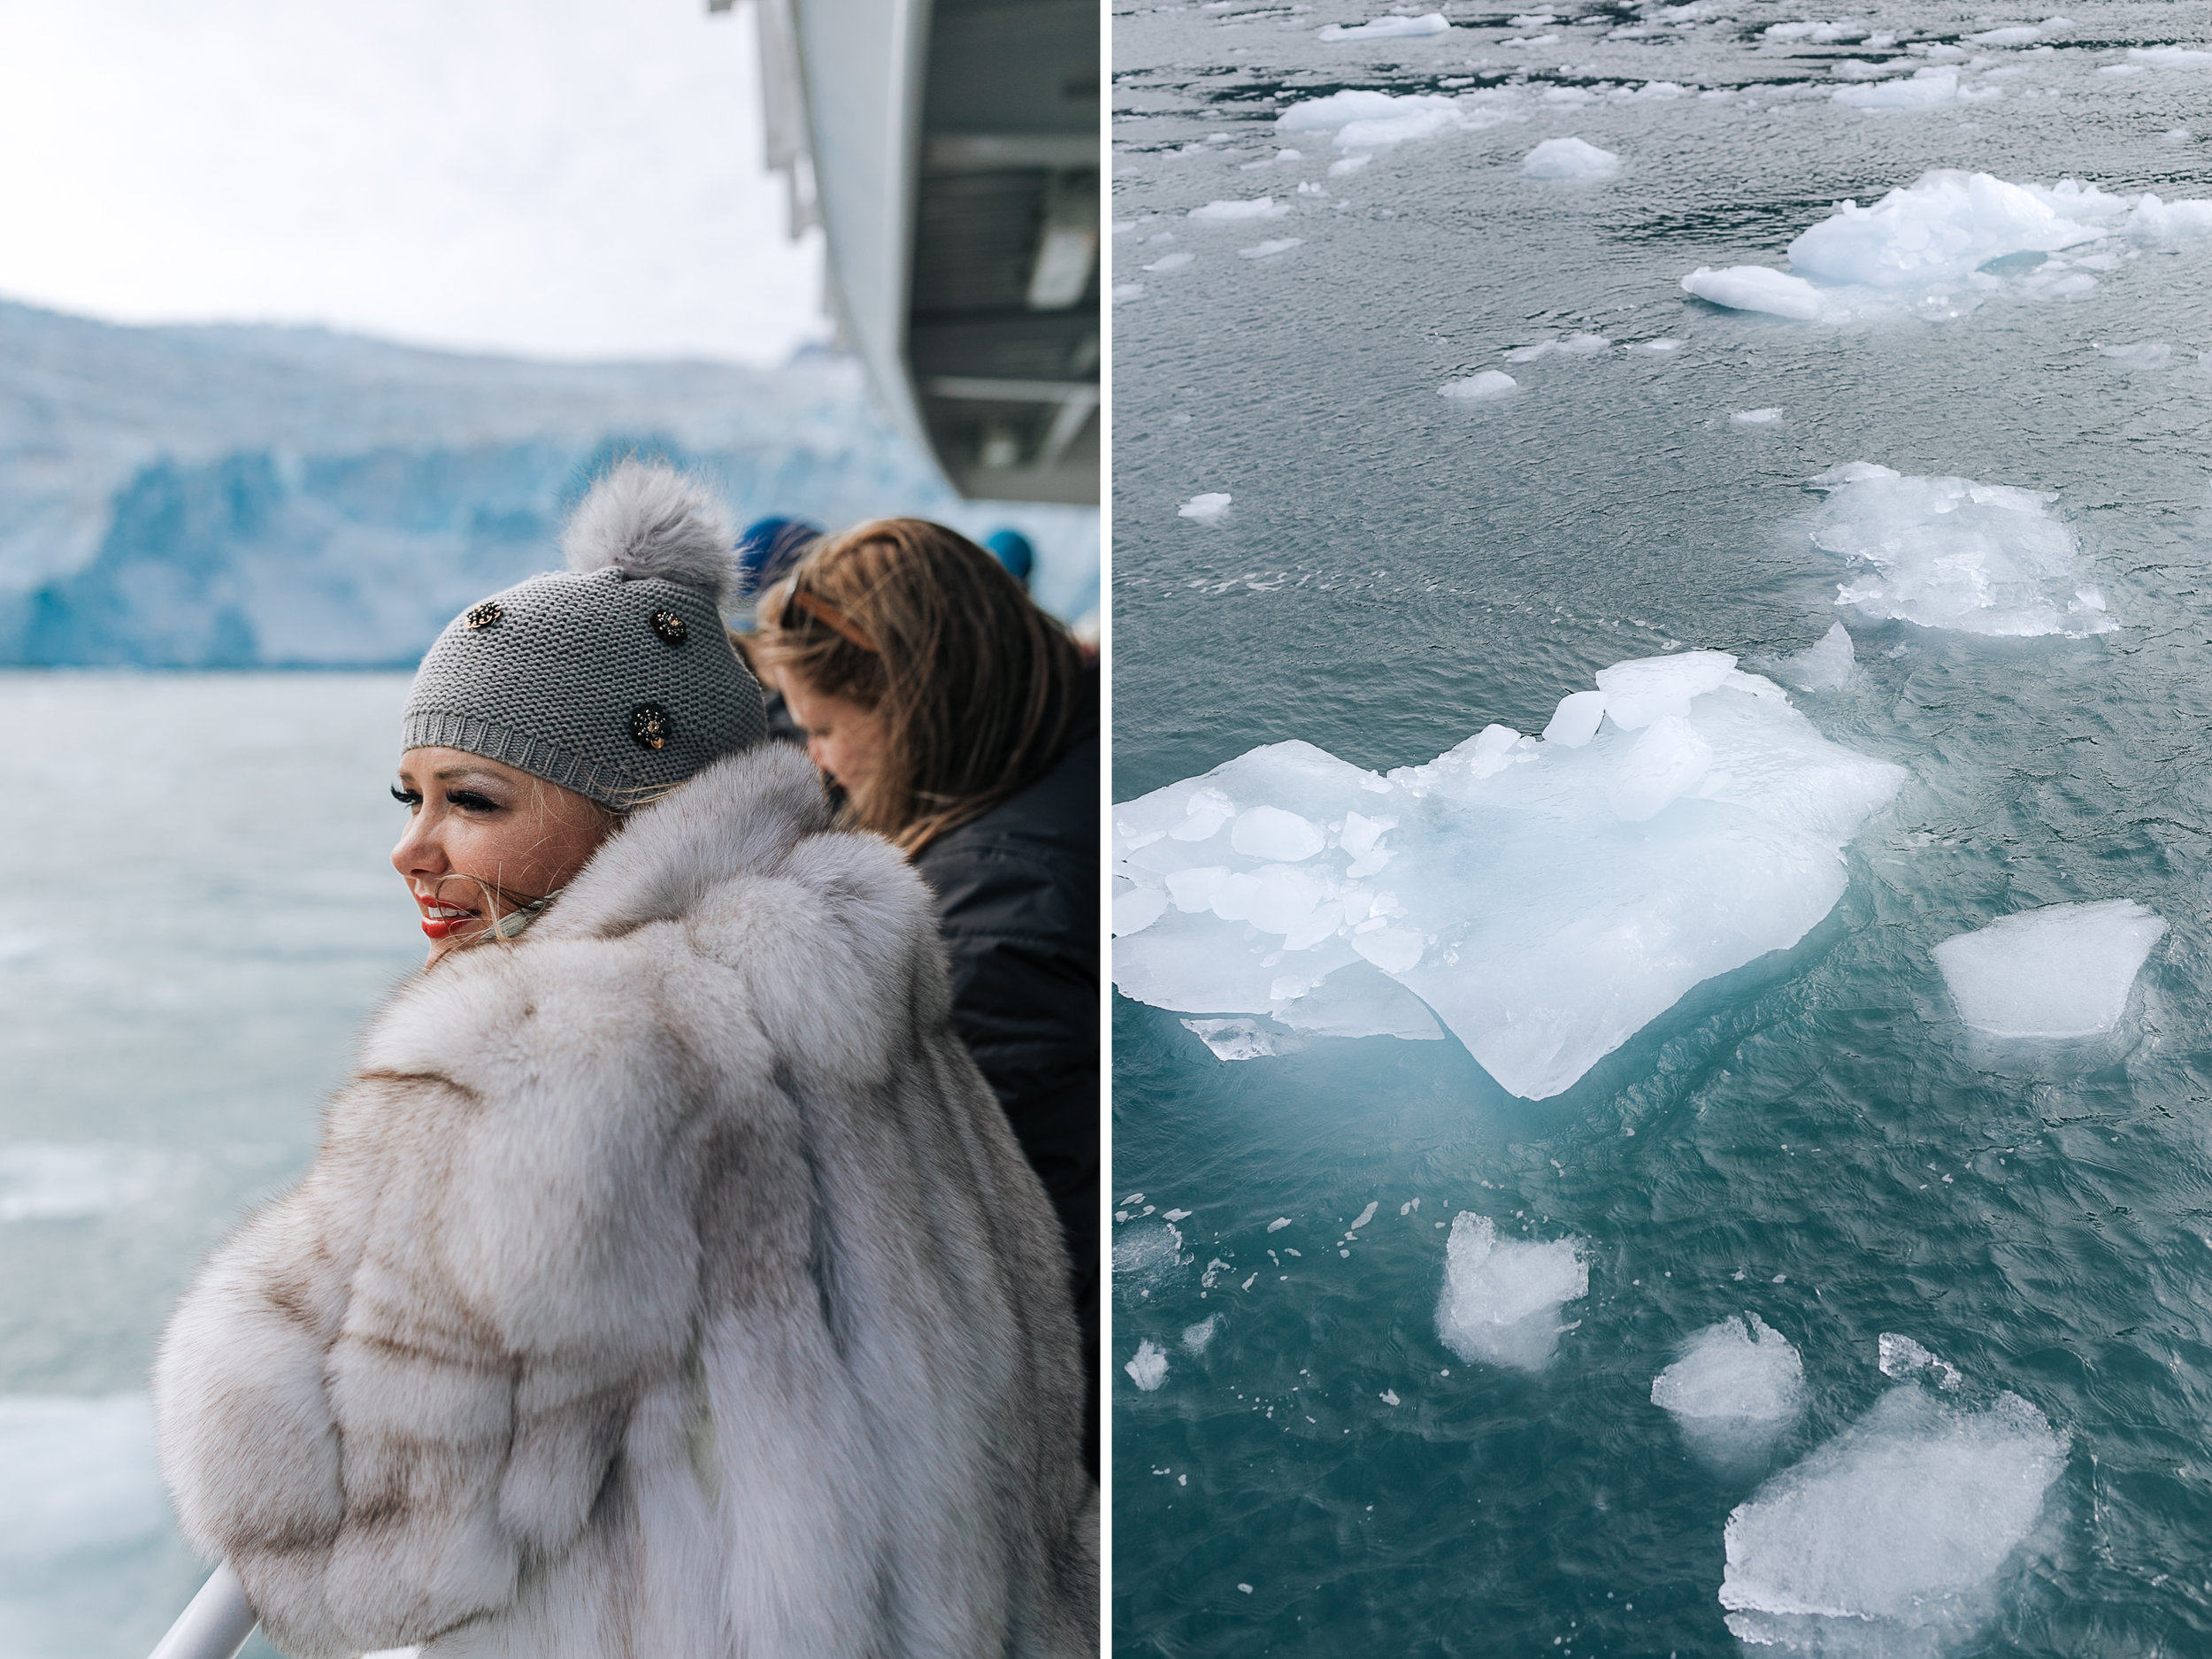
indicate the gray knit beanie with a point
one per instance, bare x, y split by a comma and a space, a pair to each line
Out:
614, 677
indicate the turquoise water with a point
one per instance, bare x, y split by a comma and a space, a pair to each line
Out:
199, 917
1816, 1137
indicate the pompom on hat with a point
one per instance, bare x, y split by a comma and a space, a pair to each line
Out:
614, 677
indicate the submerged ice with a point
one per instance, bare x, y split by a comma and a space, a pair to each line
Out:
1890, 1539
1737, 1385
1543, 898
1952, 553
1502, 1297
2063, 971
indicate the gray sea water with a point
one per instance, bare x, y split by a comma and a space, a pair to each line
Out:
198, 916
1814, 1138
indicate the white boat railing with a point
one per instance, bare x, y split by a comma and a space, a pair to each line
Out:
216, 1624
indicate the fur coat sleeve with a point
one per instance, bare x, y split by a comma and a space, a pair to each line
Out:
668, 1282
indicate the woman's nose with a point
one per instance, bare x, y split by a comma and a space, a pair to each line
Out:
420, 851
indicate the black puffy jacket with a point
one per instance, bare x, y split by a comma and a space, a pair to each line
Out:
1017, 899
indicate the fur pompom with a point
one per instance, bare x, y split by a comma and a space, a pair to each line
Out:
648, 519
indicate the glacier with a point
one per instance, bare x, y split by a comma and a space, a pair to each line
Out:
251, 497
1542, 898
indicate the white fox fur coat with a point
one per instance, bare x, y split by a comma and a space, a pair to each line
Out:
669, 1285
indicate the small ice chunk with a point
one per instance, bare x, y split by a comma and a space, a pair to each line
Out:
2169, 221
1207, 810
1279, 1223
1901, 1356
1569, 158
1656, 348
1390, 1397
1572, 346
1137, 909
1575, 721
1755, 416
1206, 509
1148, 1369
1362, 832
1269, 249
1667, 759
1391, 28
1240, 1038
1923, 90
1491, 383
1375, 120
1824, 665
1638, 693
1502, 1297
1756, 287
1736, 1387
1146, 1254
1269, 833
1172, 262
1232, 212
2063, 971
2170, 57
2145, 354
1349, 165
1195, 1337
1364, 1216
1890, 1538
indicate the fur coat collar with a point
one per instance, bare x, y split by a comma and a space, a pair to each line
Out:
668, 1283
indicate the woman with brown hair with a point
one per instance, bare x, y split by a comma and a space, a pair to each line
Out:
962, 722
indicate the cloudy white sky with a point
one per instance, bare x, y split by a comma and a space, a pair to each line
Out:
570, 178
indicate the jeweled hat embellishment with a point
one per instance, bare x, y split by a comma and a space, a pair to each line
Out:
484, 616
670, 626
650, 726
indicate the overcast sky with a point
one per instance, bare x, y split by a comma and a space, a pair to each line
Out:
572, 179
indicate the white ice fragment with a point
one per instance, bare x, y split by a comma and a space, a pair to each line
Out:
59, 1181
1733, 1390
1941, 229
2063, 971
1240, 1039
1390, 1396
1146, 1254
2170, 57
1755, 416
1822, 666
1890, 1538
1502, 1297
1148, 1369
2169, 221
1572, 346
1269, 249
1195, 1337
1365, 120
1901, 1356
1576, 720
1360, 832
1137, 909
1756, 287
1667, 759
1491, 383
1206, 509
1394, 949
1654, 348
1364, 1216
1348, 165
1279, 1223
1923, 90
1172, 262
1952, 553
1638, 693
1206, 812
1281, 837
1569, 158
1391, 28
1175, 1215
2145, 354
1232, 212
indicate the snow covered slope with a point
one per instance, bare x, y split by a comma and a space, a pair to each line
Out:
234, 497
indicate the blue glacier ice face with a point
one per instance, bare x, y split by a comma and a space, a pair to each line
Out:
234, 498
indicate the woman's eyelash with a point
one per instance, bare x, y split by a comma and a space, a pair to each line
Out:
405, 797
469, 798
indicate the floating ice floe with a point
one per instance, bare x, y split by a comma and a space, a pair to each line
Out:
1269, 249
1240, 1038
2060, 971
1951, 553
1390, 29
1502, 1297
1923, 89
44, 1181
1236, 212
2170, 57
1196, 1338
1822, 666
1572, 346
1891, 1537
1543, 898
1365, 120
1569, 158
1146, 1254
1756, 417
1901, 1356
2144, 354
1736, 1386
1207, 508
1817, 33
2021, 33
1945, 232
1491, 383
1172, 261
1148, 1369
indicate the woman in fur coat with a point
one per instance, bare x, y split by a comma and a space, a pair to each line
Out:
668, 1284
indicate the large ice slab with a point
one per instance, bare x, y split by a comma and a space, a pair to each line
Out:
1735, 1388
2063, 971
1502, 1297
1389, 29
1366, 120
1943, 234
1544, 898
1891, 1539
1951, 553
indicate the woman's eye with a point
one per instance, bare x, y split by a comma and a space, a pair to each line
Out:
407, 797
469, 801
